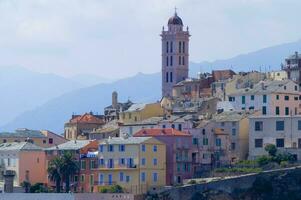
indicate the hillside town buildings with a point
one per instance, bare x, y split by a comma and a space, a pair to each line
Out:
216, 120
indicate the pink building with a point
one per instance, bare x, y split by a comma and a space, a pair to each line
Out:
179, 163
26, 159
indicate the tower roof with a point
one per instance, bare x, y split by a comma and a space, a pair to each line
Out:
175, 20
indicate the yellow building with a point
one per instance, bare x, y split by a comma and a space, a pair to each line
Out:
139, 112
137, 164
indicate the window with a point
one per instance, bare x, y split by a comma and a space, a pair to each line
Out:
195, 141
142, 176
121, 175
143, 161
110, 148
178, 167
171, 47
170, 77
167, 61
222, 123
167, 47
258, 143
121, 147
284, 87
143, 147
264, 110
233, 131
171, 61
264, 98
296, 88
299, 125
155, 148
243, 99
155, 177
205, 141
233, 123
121, 161
50, 141
286, 98
280, 142
82, 178
252, 97
179, 60
111, 163
130, 162
44, 141
75, 178
127, 179
110, 178
279, 125
277, 97
258, 126
277, 111
218, 142
296, 98
155, 162
172, 126
93, 164
233, 146
130, 115
180, 46
231, 99
183, 47
183, 60
101, 162
204, 131
287, 111
100, 178
83, 165
91, 179
180, 127
4, 140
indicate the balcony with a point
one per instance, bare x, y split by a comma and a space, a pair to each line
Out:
118, 167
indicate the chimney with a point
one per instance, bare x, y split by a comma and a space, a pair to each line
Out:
114, 100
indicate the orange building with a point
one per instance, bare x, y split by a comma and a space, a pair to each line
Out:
79, 126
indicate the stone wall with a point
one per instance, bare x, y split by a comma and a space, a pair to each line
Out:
242, 185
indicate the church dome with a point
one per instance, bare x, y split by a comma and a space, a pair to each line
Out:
175, 20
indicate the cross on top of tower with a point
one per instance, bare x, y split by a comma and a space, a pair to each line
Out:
176, 10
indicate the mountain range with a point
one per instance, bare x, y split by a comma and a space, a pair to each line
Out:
46, 101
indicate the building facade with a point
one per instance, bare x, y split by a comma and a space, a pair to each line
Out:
282, 131
136, 164
178, 152
175, 54
269, 97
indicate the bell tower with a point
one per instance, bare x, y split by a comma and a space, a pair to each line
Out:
175, 54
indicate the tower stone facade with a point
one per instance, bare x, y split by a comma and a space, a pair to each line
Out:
175, 54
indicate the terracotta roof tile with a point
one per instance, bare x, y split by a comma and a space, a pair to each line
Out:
87, 118
160, 132
222, 74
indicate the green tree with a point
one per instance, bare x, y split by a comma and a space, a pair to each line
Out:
69, 168
54, 172
271, 149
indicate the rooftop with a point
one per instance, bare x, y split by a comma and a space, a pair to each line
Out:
136, 107
22, 133
148, 121
19, 146
160, 132
87, 118
229, 116
125, 140
266, 87
71, 145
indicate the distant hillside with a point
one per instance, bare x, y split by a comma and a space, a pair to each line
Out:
23, 90
53, 114
267, 58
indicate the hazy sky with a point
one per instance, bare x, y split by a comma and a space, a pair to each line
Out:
117, 38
